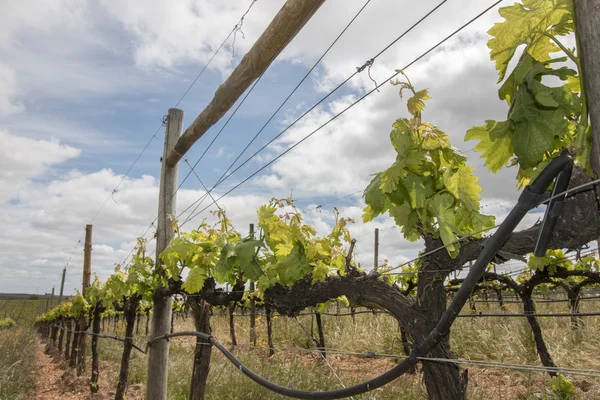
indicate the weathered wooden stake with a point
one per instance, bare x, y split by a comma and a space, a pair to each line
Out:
52, 299
588, 20
62, 285
287, 23
158, 357
87, 276
269, 329
252, 304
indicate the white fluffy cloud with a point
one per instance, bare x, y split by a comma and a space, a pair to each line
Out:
81, 51
167, 34
50, 218
342, 156
8, 92
23, 159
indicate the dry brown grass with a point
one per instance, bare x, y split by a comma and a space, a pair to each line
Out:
505, 340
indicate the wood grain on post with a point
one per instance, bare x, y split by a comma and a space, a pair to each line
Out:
87, 277
252, 303
287, 23
62, 285
158, 357
588, 20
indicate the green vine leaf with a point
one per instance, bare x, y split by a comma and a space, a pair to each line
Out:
407, 219
428, 184
543, 118
294, 266
195, 280
495, 143
392, 176
416, 104
535, 128
400, 140
374, 196
441, 206
433, 137
524, 25
463, 186
419, 189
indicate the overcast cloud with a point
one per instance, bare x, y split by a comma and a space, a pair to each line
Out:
84, 85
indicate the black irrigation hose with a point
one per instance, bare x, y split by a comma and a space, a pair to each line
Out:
300, 394
530, 198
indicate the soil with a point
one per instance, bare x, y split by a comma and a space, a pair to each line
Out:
54, 380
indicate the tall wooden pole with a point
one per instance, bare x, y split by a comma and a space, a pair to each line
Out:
158, 357
588, 34
52, 298
62, 285
287, 23
376, 250
87, 277
252, 303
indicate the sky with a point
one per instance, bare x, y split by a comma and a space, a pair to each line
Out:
84, 86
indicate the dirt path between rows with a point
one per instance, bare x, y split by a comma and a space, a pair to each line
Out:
53, 380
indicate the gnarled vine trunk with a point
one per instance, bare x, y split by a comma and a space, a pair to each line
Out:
443, 380
321, 334
201, 312
232, 324
129, 310
538, 337
96, 317
147, 320
75, 343
84, 325
54, 334
573, 296
137, 323
61, 335
69, 328
172, 321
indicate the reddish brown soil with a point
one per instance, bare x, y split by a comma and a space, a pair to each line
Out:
54, 380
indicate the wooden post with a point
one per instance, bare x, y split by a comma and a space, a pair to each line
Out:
62, 285
287, 23
588, 35
587, 21
87, 276
158, 357
252, 304
52, 298
269, 319
376, 250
